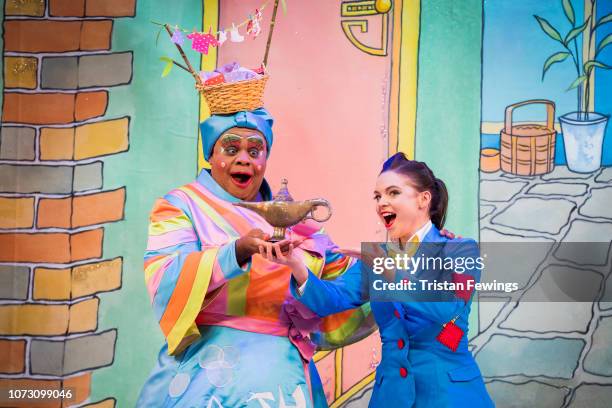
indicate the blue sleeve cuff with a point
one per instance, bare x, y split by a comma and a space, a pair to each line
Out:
228, 263
302, 287
299, 291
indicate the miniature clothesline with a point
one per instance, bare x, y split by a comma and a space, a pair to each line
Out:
225, 30
201, 42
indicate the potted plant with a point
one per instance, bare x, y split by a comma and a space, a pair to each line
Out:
583, 131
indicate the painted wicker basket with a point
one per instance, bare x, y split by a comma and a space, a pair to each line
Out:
528, 149
234, 96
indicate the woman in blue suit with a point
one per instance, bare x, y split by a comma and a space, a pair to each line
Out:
425, 357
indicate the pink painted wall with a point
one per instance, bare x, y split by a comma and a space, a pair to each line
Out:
328, 100
330, 103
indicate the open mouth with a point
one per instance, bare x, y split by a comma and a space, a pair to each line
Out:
241, 179
389, 219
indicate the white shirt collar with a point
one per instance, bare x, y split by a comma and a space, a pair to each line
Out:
422, 232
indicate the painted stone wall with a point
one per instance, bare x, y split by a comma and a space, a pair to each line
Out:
545, 354
58, 74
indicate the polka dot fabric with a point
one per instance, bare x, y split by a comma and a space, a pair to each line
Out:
201, 42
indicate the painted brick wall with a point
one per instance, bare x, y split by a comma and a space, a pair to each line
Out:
59, 69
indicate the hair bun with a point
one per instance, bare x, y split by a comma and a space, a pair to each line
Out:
394, 161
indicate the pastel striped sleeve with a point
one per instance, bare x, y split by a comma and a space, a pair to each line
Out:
180, 271
335, 264
351, 325
348, 326
329, 264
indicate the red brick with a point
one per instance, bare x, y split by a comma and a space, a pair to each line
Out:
67, 8
13, 356
96, 35
90, 105
87, 244
80, 386
29, 384
54, 212
38, 109
53, 247
80, 211
42, 35
53, 108
98, 208
57, 36
110, 8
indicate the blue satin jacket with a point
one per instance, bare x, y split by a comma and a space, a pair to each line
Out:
416, 370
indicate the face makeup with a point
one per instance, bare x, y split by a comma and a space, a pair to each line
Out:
238, 162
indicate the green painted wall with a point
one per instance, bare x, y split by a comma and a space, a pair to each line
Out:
448, 104
449, 108
162, 155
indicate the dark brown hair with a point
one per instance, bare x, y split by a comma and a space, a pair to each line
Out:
422, 179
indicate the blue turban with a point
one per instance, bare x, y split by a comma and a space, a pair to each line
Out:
213, 127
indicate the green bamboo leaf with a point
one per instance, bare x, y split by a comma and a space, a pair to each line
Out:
284, 6
157, 36
588, 66
603, 20
548, 29
569, 11
553, 59
605, 42
577, 82
575, 32
168, 67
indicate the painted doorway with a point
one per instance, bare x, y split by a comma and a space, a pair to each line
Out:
342, 90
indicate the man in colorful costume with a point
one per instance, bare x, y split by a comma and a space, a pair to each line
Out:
235, 335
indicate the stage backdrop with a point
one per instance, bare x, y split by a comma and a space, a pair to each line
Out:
92, 134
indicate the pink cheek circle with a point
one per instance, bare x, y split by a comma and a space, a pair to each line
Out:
259, 167
222, 164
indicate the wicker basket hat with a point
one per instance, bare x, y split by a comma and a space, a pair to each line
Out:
235, 96
231, 97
